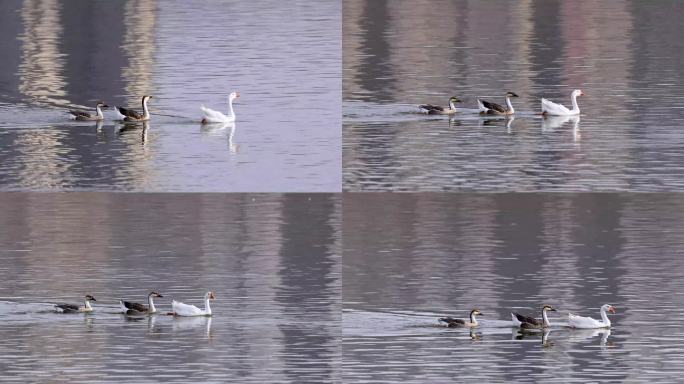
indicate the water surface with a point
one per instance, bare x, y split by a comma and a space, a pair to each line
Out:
397, 54
273, 262
58, 55
411, 258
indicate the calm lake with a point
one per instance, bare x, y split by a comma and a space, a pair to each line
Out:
397, 54
62, 55
273, 262
411, 258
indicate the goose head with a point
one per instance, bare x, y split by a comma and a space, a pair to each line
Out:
90, 298
577, 92
154, 294
454, 99
233, 95
511, 94
146, 98
209, 296
101, 104
476, 312
548, 308
608, 308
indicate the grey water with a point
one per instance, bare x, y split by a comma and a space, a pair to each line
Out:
63, 55
411, 258
398, 54
273, 262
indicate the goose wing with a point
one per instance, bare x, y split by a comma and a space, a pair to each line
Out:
212, 116
493, 106
527, 319
79, 113
129, 113
452, 322
67, 307
134, 306
429, 108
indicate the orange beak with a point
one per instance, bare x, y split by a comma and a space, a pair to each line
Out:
211, 296
237, 94
611, 309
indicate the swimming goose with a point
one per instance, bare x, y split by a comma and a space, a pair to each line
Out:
180, 309
531, 322
553, 109
439, 110
126, 114
70, 308
575, 321
85, 116
133, 308
212, 116
489, 108
452, 322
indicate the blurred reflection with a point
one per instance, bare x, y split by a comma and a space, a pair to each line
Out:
140, 17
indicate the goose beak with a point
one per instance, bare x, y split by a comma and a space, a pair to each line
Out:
211, 295
611, 309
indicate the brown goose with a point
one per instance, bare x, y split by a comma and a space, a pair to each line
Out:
453, 323
528, 322
431, 109
489, 108
126, 114
71, 308
135, 308
85, 116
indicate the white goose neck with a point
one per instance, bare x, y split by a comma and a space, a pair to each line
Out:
575, 107
99, 112
545, 318
150, 301
452, 105
604, 317
510, 106
87, 305
231, 114
473, 318
207, 308
146, 113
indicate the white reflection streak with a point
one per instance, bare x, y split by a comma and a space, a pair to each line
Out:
138, 46
41, 68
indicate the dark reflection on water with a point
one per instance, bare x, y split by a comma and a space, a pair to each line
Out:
401, 53
409, 259
70, 54
273, 261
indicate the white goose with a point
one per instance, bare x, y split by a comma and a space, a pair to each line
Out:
181, 309
212, 116
550, 108
575, 321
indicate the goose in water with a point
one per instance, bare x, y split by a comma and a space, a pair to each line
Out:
212, 116
181, 309
528, 322
438, 109
453, 323
135, 308
575, 321
71, 308
489, 108
85, 116
130, 115
550, 108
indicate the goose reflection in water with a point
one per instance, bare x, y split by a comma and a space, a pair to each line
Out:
132, 128
218, 129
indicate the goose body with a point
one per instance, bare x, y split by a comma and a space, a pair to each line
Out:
182, 309
128, 307
575, 321
548, 107
131, 115
488, 108
86, 116
431, 109
528, 322
211, 116
454, 323
71, 308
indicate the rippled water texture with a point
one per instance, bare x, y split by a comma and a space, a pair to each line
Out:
398, 54
283, 57
409, 259
272, 260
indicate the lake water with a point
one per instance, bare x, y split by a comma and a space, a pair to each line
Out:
397, 54
272, 260
59, 55
411, 258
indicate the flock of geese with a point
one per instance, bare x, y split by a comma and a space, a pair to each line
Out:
532, 323
131, 116
484, 107
131, 308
